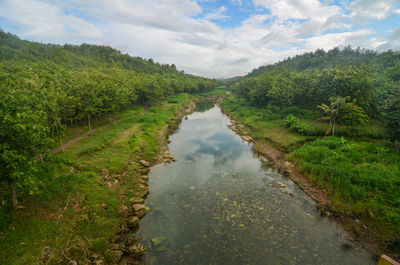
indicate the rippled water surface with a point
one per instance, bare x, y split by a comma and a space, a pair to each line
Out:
220, 204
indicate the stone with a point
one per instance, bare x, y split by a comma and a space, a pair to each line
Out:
157, 241
114, 246
136, 200
124, 211
144, 163
133, 221
115, 238
144, 177
282, 185
140, 209
136, 250
105, 172
113, 256
144, 192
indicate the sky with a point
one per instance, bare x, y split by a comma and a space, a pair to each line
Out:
210, 38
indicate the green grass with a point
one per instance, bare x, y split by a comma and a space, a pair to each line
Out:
67, 215
264, 124
363, 178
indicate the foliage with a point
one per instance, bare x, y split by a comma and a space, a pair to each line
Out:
45, 88
294, 124
364, 178
392, 113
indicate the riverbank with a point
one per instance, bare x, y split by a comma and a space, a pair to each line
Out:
284, 151
93, 192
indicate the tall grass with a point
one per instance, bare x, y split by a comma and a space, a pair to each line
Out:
364, 178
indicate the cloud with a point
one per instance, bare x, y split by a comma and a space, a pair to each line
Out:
186, 33
364, 10
45, 21
218, 14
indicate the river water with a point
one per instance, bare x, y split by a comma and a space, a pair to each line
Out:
219, 203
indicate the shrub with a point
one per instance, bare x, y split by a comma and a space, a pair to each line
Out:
294, 124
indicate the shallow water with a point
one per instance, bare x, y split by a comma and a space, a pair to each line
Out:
220, 204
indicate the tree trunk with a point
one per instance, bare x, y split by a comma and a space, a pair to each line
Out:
59, 137
13, 195
333, 128
90, 126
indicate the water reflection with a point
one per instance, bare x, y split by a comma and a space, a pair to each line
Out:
218, 204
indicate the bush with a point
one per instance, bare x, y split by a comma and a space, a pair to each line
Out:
294, 124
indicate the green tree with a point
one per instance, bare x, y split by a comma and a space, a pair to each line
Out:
392, 114
24, 134
331, 112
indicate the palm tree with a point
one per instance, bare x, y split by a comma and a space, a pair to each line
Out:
332, 112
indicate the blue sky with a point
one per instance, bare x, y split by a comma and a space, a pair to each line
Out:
208, 37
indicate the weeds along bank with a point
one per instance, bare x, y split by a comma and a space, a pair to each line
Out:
81, 211
359, 175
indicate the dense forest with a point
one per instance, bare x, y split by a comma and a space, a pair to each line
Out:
44, 88
350, 86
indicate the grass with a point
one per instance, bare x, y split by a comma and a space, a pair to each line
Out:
363, 178
362, 175
264, 124
76, 212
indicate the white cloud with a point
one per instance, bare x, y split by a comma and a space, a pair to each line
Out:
218, 14
46, 21
364, 10
180, 32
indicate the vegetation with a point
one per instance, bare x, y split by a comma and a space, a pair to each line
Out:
357, 95
46, 88
76, 210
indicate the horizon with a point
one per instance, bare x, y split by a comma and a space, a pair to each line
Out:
209, 38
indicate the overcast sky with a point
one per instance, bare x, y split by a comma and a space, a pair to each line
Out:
208, 37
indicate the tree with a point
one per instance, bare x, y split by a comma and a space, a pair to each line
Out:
331, 112
24, 135
392, 115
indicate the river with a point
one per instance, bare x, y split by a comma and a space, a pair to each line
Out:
219, 203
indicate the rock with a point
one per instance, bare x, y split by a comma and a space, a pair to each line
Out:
282, 185
105, 172
144, 163
144, 177
115, 238
113, 256
145, 191
247, 138
157, 241
346, 246
287, 164
133, 221
136, 250
143, 186
124, 211
114, 246
136, 200
140, 209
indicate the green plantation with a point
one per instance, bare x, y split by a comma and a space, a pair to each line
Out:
75, 209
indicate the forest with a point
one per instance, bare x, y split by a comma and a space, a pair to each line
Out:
350, 86
44, 88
